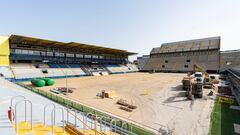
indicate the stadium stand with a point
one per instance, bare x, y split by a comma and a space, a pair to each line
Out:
74, 65
29, 57
55, 72
41, 66
181, 56
6, 72
132, 67
68, 72
119, 68
24, 73
78, 72
230, 60
52, 65
63, 65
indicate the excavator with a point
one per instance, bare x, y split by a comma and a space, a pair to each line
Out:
208, 80
193, 84
196, 81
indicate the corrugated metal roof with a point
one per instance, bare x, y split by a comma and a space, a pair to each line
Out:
50, 43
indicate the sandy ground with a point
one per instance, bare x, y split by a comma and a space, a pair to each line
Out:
165, 106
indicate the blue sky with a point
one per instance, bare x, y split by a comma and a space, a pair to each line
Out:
133, 25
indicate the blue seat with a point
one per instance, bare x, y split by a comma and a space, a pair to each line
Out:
63, 66
52, 65
74, 65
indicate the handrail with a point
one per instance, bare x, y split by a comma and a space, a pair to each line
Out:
87, 116
101, 123
11, 103
53, 117
123, 124
115, 125
16, 124
84, 124
19, 96
112, 126
44, 115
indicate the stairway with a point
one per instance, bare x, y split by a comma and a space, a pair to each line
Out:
5, 125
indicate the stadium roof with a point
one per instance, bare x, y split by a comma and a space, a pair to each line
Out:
188, 45
75, 45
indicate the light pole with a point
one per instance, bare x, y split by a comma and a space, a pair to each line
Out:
66, 78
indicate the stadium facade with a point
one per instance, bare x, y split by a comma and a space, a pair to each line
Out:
24, 57
181, 56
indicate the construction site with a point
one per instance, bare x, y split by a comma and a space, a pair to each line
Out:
160, 100
186, 87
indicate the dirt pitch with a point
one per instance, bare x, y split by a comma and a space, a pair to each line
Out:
165, 106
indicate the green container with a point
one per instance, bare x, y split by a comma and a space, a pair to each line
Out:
38, 82
48, 81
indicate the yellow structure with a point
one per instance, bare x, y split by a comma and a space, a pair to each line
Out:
4, 51
110, 94
145, 92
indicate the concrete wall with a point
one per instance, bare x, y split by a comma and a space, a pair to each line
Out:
230, 59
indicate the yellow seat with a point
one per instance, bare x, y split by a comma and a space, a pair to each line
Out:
23, 128
39, 129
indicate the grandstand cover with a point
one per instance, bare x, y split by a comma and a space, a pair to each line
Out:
43, 42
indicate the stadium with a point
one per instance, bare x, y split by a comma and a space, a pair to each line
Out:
97, 90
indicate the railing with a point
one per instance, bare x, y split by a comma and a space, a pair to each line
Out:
31, 120
53, 118
234, 77
44, 113
84, 109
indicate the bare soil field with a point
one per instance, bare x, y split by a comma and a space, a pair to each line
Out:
164, 107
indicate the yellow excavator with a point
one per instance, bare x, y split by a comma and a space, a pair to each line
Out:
207, 80
197, 68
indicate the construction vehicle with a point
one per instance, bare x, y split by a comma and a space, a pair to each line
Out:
193, 84
197, 68
207, 80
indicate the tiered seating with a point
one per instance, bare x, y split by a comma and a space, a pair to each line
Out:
55, 72
26, 73
68, 72
115, 68
132, 67
6, 72
74, 65
96, 70
22, 65
63, 65
52, 65
78, 71
43, 66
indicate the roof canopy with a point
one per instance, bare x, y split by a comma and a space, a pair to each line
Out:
189, 45
74, 45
